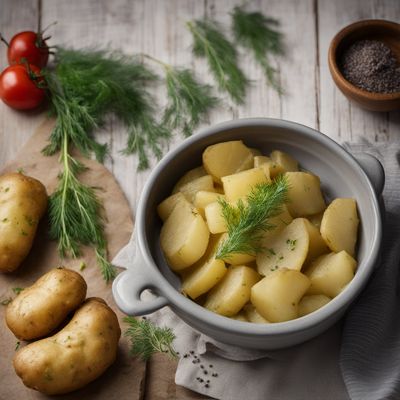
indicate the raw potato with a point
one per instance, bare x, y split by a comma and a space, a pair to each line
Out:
339, 225
190, 189
271, 168
166, 207
287, 249
215, 220
276, 296
329, 274
184, 236
189, 177
287, 162
42, 307
76, 355
253, 315
305, 197
203, 198
233, 292
239, 185
23, 202
227, 158
309, 304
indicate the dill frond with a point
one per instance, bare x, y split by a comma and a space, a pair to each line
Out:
255, 31
210, 43
147, 338
247, 221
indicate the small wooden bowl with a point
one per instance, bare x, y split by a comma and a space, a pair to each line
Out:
373, 29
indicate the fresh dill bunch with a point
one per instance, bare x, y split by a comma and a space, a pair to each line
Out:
247, 221
75, 214
87, 86
210, 42
147, 338
255, 31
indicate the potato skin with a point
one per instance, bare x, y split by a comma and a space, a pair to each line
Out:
23, 201
76, 355
39, 309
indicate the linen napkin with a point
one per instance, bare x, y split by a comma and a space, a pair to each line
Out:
357, 361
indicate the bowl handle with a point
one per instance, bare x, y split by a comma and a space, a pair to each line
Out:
374, 170
130, 284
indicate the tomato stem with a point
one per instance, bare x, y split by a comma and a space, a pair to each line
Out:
2, 38
47, 27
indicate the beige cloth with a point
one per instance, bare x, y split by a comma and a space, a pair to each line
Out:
124, 379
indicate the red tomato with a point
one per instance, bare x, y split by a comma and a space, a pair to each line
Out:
29, 46
19, 87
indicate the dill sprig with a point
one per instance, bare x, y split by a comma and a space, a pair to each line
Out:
210, 42
247, 221
257, 32
75, 214
147, 338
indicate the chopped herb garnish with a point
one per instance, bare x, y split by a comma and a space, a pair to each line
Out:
17, 345
82, 266
17, 290
291, 244
6, 302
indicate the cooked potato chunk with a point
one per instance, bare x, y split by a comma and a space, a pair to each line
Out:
190, 176
279, 223
166, 207
271, 168
236, 258
40, 308
252, 315
305, 197
227, 158
309, 304
190, 189
287, 162
288, 249
316, 219
23, 203
276, 296
203, 198
240, 317
184, 236
330, 273
215, 220
239, 185
76, 355
317, 244
339, 225
233, 292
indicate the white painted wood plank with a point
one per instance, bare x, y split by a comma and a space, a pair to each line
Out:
339, 118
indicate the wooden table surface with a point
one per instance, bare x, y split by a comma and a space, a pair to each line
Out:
157, 27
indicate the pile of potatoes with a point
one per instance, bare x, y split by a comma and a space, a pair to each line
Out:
75, 355
309, 254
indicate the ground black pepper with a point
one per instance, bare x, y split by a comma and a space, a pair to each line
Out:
372, 66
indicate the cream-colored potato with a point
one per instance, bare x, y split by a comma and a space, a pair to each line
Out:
215, 220
23, 202
166, 207
189, 177
190, 189
184, 236
203, 198
42, 307
252, 315
330, 273
279, 222
339, 225
316, 219
240, 185
288, 249
305, 196
276, 296
233, 292
311, 303
227, 158
76, 355
287, 162
317, 245
271, 168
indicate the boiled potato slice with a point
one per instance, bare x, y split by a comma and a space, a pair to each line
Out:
239, 185
288, 249
233, 292
276, 296
252, 315
204, 198
287, 162
190, 189
215, 220
317, 245
311, 303
316, 219
166, 207
240, 317
271, 168
305, 197
236, 258
227, 158
330, 273
184, 236
279, 222
339, 225
189, 177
